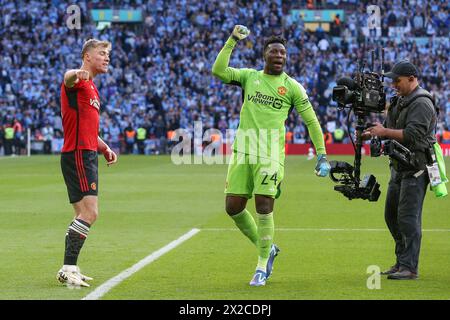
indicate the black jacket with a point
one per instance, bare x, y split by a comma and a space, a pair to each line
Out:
417, 117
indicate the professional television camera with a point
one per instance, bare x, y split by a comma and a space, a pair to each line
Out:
363, 94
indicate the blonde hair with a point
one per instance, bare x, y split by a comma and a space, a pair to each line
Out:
94, 43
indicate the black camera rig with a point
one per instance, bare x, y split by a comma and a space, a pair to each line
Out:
362, 95
367, 189
394, 150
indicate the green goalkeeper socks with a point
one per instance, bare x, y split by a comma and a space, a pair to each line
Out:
261, 236
245, 222
265, 237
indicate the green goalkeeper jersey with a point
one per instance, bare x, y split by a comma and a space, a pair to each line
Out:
267, 100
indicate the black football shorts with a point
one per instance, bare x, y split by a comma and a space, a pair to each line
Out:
80, 172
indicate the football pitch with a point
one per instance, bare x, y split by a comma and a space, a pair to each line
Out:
327, 242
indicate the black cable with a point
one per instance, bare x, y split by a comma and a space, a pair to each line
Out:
348, 130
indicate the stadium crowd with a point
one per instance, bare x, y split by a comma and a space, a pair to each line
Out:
160, 78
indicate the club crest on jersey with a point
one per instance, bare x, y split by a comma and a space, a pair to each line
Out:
282, 90
94, 103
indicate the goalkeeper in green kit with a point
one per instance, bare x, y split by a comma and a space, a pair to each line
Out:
257, 162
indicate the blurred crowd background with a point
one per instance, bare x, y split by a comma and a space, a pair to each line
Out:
160, 78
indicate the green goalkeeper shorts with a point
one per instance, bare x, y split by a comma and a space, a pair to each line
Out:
248, 175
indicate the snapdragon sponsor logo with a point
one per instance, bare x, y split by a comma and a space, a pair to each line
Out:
243, 146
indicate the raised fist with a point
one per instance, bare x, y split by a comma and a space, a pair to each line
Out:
240, 32
82, 75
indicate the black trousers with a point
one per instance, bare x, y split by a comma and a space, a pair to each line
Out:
403, 214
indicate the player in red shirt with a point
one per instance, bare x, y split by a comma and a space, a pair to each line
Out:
80, 106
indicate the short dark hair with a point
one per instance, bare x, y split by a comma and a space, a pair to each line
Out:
274, 39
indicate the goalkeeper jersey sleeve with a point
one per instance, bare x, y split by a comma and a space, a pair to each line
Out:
306, 111
221, 69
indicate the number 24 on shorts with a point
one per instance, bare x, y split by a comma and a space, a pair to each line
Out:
266, 179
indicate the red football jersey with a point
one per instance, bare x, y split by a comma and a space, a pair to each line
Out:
80, 111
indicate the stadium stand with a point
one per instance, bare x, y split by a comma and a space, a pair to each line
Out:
160, 79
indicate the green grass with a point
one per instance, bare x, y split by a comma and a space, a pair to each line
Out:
147, 202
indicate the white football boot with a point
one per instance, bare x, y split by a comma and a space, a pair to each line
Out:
71, 276
82, 276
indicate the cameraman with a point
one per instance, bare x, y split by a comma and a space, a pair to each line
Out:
411, 120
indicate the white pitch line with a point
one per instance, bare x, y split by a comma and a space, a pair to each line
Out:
108, 285
324, 229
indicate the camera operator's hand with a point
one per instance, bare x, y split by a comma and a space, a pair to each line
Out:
364, 135
323, 167
377, 130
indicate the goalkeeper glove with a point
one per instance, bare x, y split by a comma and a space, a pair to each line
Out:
240, 32
323, 167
